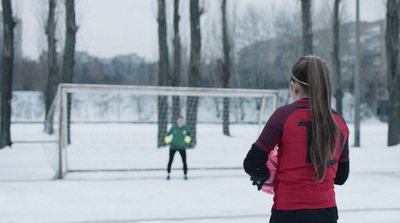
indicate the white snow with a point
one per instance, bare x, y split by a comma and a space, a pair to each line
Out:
28, 193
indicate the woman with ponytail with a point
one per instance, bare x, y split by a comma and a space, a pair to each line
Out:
313, 152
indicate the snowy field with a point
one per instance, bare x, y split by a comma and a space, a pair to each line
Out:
28, 193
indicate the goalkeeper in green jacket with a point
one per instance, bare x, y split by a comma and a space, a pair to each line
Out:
180, 137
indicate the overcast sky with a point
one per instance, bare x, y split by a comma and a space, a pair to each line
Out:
112, 27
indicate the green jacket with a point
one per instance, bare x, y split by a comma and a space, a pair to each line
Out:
178, 136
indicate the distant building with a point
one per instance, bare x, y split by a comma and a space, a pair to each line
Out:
267, 64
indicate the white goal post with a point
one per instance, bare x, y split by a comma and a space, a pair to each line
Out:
58, 113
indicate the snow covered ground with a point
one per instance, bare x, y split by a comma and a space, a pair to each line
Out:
28, 193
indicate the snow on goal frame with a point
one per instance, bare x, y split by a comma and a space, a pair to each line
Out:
255, 107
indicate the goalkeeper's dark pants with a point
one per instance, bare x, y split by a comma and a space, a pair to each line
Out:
171, 159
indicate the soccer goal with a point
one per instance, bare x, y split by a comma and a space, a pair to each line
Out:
122, 128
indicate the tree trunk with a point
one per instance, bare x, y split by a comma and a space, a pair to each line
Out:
163, 73
226, 68
176, 72
307, 27
225, 115
52, 68
392, 54
7, 73
336, 58
194, 70
69, 56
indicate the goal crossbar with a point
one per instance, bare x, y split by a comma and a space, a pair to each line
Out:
164, 90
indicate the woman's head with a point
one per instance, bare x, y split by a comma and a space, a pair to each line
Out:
310, 77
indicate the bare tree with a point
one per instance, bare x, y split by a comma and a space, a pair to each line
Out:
7, 73
52, 66
254, 25
176, 72
163, 72
69, 55
307, 27
336, 58
194, 70
393, 69
226, 71
70, 40
264, 60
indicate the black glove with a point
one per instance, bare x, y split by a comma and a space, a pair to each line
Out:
259, 182
260, 176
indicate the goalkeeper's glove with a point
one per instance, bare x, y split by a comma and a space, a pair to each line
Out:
167, 140
188, 139
260, 176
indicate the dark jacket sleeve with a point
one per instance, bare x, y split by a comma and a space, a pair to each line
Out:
342, 173
343, 170
255, 163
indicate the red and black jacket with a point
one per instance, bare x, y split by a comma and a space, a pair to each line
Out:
289, 128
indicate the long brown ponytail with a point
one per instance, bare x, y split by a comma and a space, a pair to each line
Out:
313, 76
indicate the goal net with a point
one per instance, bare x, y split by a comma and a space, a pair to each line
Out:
122, 128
